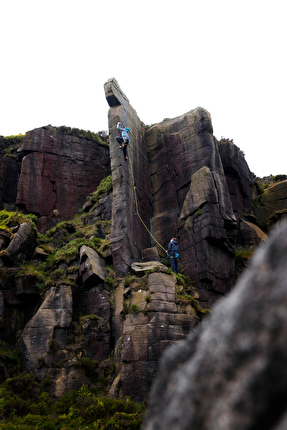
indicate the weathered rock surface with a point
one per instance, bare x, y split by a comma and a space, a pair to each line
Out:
240, 185
23, 243
150, 254
233, 377
238, 177
272, 205
208, 234
45, 344
52, 321
128, 234
251, 234
153, 322
150, 265
178, 148
58, 171
102, 210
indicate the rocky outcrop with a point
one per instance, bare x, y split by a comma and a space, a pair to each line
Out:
238, 177
58, 171
207, 236
22, 245
178, 181
234, 376
51, 323
240, 184
134, 323
51, 346
271, 206
148, 318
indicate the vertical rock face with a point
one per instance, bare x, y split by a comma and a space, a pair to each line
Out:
240, 184
233, 377
191, 198
154, 321
128, 233
52, 321
58, 172
208, 235
238, 177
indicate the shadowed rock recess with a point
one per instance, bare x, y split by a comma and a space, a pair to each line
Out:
187, 186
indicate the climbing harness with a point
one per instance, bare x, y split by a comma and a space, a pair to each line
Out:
136, 201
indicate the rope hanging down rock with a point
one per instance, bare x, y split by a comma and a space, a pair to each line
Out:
136, 201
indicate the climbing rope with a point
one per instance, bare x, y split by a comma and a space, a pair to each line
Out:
137, 209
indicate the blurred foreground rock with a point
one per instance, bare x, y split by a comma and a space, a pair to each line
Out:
234, 376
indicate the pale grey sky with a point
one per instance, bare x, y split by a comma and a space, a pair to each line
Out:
168, 57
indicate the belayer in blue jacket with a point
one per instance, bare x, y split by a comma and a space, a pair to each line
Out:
124, 140
172, 251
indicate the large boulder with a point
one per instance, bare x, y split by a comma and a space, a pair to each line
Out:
230, 373
22, 245
92, 268
151, 320
45, 343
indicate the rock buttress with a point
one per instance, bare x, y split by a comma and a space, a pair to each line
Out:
153, 322
128, 233
58, 171
192, 206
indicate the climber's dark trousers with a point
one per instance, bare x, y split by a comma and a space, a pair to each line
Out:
121, 142
174, 266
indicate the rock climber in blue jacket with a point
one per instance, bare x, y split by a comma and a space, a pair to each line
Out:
124, 140
172, 251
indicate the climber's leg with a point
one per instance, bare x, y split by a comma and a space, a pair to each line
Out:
120, 141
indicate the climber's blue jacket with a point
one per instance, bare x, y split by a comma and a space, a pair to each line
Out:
173, 248
124, 131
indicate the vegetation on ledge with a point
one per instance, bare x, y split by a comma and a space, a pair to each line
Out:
10, 144
101, 137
